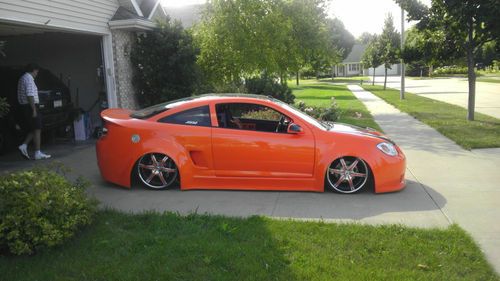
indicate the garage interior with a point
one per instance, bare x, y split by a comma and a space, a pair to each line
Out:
75, 58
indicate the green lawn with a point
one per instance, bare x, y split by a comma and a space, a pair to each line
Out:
320, 94
449, 120
347, 80
151, 246
488, 79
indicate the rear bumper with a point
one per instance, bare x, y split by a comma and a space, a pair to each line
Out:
112, 166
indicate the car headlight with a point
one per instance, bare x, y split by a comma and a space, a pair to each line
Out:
387, 148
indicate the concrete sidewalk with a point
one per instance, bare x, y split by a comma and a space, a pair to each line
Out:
469, 181
451, 90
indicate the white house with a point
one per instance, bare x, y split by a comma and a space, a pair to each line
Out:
85, 42
352, 66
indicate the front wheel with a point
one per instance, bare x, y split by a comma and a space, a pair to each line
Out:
157, 171
347, 174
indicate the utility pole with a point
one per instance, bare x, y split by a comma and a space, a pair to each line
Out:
402, 91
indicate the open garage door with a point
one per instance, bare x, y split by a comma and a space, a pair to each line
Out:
74, 72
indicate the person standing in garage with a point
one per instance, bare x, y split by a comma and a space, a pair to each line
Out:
27, 95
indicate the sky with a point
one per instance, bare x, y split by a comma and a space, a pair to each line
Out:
358, 16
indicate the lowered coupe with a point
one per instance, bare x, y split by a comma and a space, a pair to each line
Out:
245, 142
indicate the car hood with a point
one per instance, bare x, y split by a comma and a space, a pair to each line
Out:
355, 130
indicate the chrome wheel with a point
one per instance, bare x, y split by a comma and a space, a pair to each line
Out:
347, 174
157, 170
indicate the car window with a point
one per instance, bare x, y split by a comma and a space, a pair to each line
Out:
199, 116
249, 116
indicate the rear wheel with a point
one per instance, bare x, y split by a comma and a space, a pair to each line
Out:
157, 171
347, 175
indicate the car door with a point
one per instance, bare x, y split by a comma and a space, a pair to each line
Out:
254, 148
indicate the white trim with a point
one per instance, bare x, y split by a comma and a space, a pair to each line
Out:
51, 26
154, 10
133, 24
137, 8
109, 70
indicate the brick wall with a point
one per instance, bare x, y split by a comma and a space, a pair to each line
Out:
122, 46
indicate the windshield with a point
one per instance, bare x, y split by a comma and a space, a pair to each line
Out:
307, 118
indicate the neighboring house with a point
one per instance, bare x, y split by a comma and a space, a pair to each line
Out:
86, 43
352, 66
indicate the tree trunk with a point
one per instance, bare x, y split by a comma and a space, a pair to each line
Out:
471, 74
297, 77
385, 78
431, 69
373, 80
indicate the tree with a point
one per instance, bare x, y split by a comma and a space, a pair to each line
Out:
468, 24
340, 40
309, 35
365, 38
389, 45
245, 38
164, 60
372, 56
427, 48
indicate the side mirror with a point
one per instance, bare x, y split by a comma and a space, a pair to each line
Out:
294, 129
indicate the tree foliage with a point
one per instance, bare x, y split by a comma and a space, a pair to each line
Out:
164, 61
247, 38
427, 48
389, 44
372, 57
467, 24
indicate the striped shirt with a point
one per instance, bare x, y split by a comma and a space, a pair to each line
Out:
26, 87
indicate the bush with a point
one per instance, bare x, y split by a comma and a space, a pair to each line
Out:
40, 208
445, 70
330, 113
269, 87
164, 62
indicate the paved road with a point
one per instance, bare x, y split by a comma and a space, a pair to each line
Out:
451, 90
468, 181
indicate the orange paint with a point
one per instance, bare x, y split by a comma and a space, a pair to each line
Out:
213, 157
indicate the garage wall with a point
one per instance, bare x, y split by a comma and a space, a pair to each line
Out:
83, 15
76, 57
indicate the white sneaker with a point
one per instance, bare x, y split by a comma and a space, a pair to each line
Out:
24, 150
40, 155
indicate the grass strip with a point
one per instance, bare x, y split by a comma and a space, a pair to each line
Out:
448, 119
352, 111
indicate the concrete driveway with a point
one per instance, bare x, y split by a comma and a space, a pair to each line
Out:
414, 206
451, 90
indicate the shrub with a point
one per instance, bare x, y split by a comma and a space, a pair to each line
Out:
41, 208
269, 87
330, 113
450, 70
164, 62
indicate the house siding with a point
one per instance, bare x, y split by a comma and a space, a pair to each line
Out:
79, 15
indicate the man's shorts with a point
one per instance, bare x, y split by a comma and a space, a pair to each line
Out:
31, 123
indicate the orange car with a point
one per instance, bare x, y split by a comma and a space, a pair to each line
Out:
246, 142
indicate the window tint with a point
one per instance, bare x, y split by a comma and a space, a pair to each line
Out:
199, 116
249, 116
